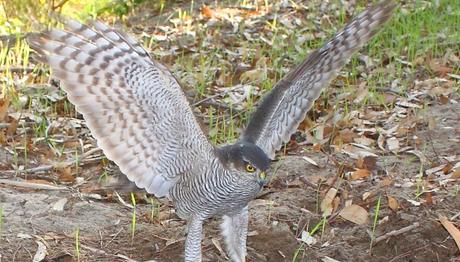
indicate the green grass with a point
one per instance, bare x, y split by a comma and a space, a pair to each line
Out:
77, 244
133, 218
154, 209
420, 32
1, 221
320, 225
376, 219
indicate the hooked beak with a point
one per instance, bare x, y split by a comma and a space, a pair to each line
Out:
262, 178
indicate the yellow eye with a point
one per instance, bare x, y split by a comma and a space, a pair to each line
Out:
250, 168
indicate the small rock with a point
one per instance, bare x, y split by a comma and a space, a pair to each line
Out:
59, 205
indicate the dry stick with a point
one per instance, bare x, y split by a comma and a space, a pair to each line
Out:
455, 216
216, 95
399, 257
102, 252
31, 185
396, 233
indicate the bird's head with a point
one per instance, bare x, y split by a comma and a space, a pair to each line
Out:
246, 158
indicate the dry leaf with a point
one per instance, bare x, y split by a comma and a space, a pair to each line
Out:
386, 182
66, 175
327, 203
439, 69
253, 76
355, 214
453, 231
364, 141
12, 127
39, 181
307, 239
444, 99
207, 12
428, 198
366, 195
446, 169
345, 136
367, 162
360, 174
380, 141
455, 174
4, 103
393, 203
60, 204
40, 254
393, 144
309, 160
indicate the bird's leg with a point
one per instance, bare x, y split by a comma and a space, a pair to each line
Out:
193, 241
235, 230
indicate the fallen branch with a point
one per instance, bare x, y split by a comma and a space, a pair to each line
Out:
396, 233
25, 184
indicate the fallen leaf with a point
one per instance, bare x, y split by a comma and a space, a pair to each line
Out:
327, 203
393, 203
207, 12
453, 231
439, 69
366, 195
355, 214
428, 198
446, 169
40, 254
39, 181
344, 137
367, 162
380, 141
4, 103
455, 174
216, 243
307, 238
12, 127
60, 204
66, 175
393, 144
364, 141
309, 160
444, 99
360, 174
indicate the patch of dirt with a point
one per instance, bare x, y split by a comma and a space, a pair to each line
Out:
287, 207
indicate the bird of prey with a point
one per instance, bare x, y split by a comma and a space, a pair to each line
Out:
140, 117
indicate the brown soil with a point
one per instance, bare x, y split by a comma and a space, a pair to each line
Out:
286, 207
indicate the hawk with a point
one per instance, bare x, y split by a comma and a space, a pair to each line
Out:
140, 117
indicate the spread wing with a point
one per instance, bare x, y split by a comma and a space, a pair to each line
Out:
133, 106
285, 107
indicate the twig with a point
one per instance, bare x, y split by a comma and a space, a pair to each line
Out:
94, 250
126, 258
398, 257
396, 233
60, 5
216, 95
25, 184
455, 216
17, 69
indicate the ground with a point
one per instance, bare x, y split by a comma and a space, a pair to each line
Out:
286, 207
382, 141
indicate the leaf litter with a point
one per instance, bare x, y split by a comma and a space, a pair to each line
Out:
349, 155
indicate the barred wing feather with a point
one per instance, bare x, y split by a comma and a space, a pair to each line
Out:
133, 106
282, 110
